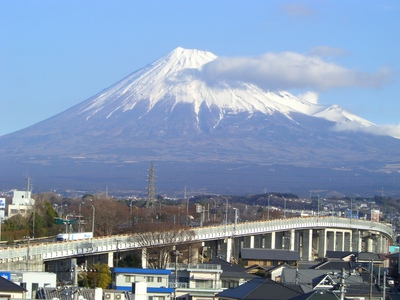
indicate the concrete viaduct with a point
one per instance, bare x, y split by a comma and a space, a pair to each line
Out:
311, 236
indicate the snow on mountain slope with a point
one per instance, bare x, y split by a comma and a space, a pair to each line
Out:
336, 114
177, 78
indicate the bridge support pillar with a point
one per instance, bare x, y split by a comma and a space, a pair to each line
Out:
321, 243
263, 244
340, 241
251, 241
356, 241
273, 240
110, 259
378, 244
144, 258
292, 239
370, 244
385, 247
347, 241
331, 239
228, 249
307, 245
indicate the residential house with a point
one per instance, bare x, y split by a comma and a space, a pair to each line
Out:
154, 282
358, 285
273, 273
195, 281
232, 275
261, 289
9, 290
31, 281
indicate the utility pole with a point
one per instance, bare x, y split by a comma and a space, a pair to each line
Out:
176, 253
370, 278
384, 285
27, 253
342, 291
150, 186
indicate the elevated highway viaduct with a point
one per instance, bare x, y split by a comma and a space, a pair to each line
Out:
311, 236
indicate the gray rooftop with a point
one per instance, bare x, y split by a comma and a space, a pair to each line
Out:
269, 254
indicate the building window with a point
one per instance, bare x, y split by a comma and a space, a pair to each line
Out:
150, 279
159, 279
204, 284
229, 284
158, 298
129, 279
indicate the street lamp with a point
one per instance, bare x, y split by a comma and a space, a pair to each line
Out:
226, 214
284, 207
93, 218
268, 207
351, 208
79, 217
236, 216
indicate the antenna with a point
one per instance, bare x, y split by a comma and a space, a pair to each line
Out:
150, 186
27, 186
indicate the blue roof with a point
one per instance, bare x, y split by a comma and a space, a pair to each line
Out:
159, 290
141, 271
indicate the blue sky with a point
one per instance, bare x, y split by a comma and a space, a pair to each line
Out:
55, 54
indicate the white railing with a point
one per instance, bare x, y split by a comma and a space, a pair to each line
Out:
49, 251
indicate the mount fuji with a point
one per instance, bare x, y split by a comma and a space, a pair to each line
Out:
208, 133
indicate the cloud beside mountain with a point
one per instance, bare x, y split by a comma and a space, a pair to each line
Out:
290, 70
295, 71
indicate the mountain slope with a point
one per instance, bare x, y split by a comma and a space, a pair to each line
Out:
170, 113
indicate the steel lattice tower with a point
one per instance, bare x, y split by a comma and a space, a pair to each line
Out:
150, 186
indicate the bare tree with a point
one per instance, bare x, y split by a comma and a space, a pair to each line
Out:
159, 256
110, 216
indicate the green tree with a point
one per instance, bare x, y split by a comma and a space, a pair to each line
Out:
17, 222
100, 276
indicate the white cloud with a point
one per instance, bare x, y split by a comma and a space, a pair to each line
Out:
290, 70
385, 130
309, 96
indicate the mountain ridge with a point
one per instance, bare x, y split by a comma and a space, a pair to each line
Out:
169, 113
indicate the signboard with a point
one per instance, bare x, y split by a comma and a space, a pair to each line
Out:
60, 221
5, 275
2, 202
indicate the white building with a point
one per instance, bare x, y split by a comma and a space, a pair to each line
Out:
145, 284
31, 281
22, 203
195, 281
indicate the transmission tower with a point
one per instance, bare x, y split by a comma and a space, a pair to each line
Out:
28, 186
150, 186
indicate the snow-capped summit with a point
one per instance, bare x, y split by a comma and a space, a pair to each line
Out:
177, 78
